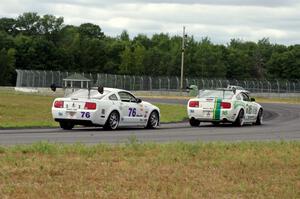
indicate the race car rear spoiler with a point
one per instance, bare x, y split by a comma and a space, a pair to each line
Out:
100, 89
227, 89
223, 90
232, 89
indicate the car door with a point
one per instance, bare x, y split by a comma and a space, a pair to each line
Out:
131, 113
249, 107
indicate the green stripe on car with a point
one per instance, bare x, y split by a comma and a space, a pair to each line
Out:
217, 109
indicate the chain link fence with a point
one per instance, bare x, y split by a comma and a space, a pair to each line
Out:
39, 79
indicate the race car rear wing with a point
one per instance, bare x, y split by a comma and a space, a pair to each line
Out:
100, 89
233, 90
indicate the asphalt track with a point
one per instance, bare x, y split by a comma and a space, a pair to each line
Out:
281, 122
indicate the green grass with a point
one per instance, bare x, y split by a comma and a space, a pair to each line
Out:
294, 100
24, 110
32, 110
172, 113
135, 170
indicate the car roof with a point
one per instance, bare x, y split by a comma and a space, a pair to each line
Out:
110, 89
114, 89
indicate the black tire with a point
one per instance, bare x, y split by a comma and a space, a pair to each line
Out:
259, 117
153, 120
194, 122
240, 119
112, 122
65, 125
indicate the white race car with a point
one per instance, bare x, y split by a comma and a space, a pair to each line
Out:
107, 107
224, 106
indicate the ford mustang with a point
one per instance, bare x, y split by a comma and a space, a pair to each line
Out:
107, 107
228, 105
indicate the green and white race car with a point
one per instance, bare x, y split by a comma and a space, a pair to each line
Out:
226, 105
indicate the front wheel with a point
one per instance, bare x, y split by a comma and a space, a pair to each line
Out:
113, 121
66, 125
194, 122
240, 119
259, 118
153, 120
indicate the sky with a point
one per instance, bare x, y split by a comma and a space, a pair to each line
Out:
219, 20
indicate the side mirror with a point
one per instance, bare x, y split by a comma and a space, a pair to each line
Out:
100, 89
252, 99
53, 87
138, 100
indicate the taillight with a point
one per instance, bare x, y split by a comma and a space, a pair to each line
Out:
59, 104
194, 104
90, 106
226, 105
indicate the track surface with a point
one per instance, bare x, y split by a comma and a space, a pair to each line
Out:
281, 122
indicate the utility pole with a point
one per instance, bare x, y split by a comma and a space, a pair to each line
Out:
182, 57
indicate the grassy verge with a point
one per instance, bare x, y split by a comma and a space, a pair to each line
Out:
26, 110
278, 100
292, 100
172, 112
177, 170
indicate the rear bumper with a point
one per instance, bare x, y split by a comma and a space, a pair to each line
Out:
77, 122
210, 116
79, 116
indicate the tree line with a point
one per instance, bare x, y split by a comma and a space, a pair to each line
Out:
36, 42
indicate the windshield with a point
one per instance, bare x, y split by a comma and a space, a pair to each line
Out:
83, 93
216, 93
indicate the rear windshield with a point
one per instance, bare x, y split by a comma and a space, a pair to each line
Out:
216, 93
83, 93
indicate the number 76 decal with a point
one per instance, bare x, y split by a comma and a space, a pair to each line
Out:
132, 112
85, 114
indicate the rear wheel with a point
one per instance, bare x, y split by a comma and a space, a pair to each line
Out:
153, 120
259, 118
240, 119
194, 122
113, 121
65, 125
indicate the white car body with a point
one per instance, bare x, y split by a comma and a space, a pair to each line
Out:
91, 108
224, 106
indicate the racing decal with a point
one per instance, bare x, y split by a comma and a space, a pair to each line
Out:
238, 103
85, 114
217, 109
146, 113
255, 110
132, 112
225, 113
248, 109
141, 107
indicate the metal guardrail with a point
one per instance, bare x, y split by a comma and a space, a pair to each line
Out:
36, 79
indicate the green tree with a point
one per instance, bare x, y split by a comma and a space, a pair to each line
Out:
91, 31
28, 23
124, 36
126, 61
139, 54
8, 25
7, 66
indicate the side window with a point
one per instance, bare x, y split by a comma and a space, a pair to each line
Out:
239, 97
113, 97
127, 97
246, 97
